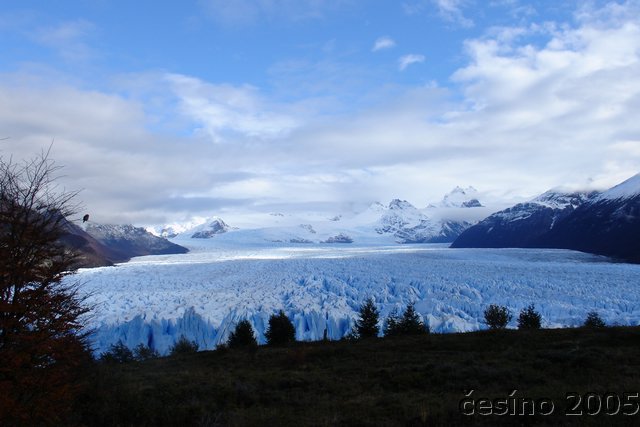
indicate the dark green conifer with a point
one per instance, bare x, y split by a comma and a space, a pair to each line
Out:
529, 318
280, 331
367, 325
242, 336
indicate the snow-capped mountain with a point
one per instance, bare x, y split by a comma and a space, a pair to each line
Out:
127, 241
411, 225
606, 223
99, 245
209, 229
397, 222
461, 198
90, 251
625, 191
523, 224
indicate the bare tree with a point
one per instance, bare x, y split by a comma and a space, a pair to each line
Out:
42, 343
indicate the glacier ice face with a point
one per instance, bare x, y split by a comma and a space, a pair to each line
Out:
155, 300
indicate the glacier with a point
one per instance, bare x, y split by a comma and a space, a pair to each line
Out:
154, 300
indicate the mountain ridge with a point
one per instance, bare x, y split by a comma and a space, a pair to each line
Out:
604, 223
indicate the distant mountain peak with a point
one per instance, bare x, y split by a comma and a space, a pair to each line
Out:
397, 204
461, 198
625, 190
209, 229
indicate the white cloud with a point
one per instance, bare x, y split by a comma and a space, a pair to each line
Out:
383, 43
406, 60
225, 109
451, 10
563, 103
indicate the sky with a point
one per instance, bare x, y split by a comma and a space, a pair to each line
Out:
159, 111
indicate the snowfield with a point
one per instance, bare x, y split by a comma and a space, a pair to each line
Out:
155, 299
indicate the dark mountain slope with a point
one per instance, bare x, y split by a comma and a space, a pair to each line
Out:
605, 224
522, 225
104, 245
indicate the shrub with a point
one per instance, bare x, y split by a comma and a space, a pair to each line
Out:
593, 320
280, 331
143, 352
117, 353
242, 336
529, 318
497, 317
367, 325
183, 346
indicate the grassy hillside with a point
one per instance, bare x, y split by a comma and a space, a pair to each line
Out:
403, 381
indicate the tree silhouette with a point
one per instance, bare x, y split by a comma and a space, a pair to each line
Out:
242, 336
118, 353
280, 331
391, 325
497, 317
367, 324
409, 323
42, 343
593, 320
529, 318
183, 346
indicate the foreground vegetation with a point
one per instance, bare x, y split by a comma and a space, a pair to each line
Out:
405, 380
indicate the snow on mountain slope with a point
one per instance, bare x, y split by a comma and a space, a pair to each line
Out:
461, 198
397, 222
127, 241
558, 199
524, 224
606, 223
201, 295
209, 229
625, 190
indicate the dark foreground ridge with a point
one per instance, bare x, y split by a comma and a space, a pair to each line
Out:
406, 381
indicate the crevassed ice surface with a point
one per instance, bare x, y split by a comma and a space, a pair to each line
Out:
154, 300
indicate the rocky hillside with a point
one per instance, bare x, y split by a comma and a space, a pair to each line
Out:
104, 245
